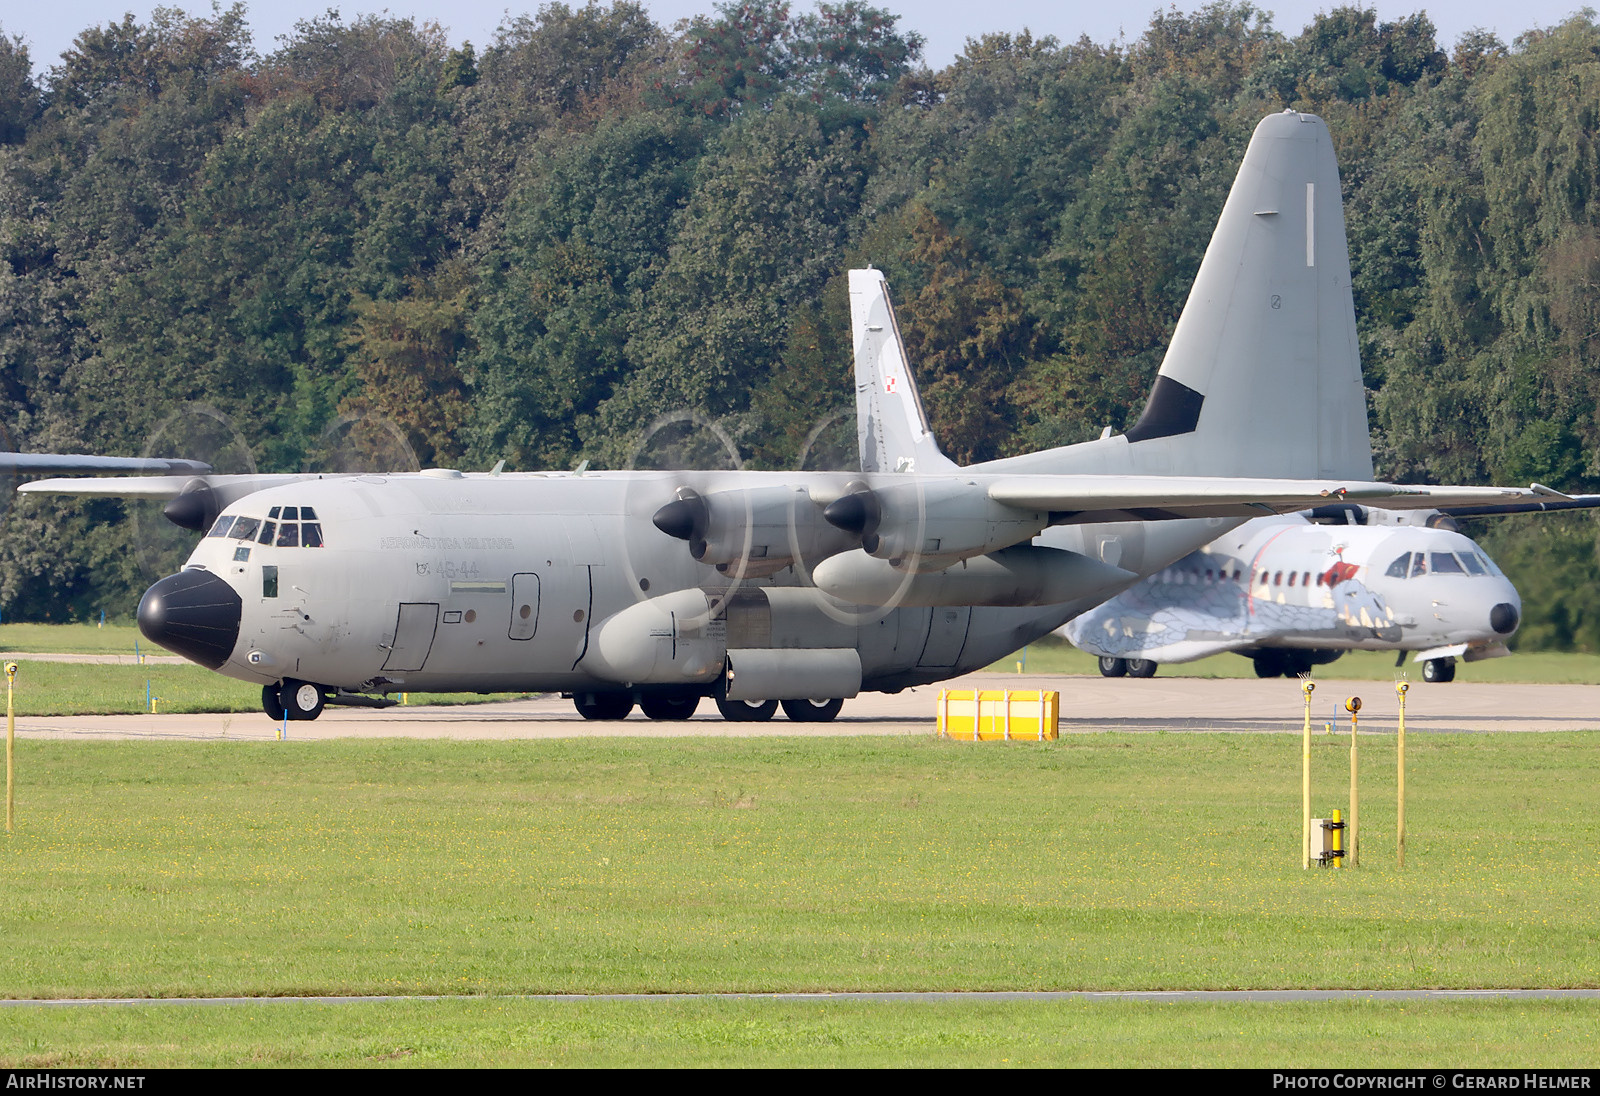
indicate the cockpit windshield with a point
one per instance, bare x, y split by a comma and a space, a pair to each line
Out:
1415, 564
284, 527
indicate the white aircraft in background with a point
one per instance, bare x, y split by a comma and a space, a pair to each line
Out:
661, 588
1298, 591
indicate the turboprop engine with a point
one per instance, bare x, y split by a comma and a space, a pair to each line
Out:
774, 643
924, 524
753, 532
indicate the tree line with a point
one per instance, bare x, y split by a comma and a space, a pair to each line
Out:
366, 241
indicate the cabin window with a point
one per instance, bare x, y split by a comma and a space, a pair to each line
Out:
269, 581
1305, 578
1399, 567
1445, 564
1291, 578
1277, 579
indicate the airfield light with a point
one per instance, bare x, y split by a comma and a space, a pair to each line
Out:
1400, 688
1307, 687
1353, 706
11, 742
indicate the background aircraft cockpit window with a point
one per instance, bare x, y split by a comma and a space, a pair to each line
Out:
245, 528
1445, 564
1399, 567
1419, 564
220, 529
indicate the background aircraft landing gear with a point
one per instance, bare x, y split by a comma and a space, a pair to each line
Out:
812, 711
1112, 667
1439, 670
668, 706
747, 711
1268, 663
302, 699
1141, 667
603, 705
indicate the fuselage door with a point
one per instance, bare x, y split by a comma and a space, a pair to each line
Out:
413, 635
524, 606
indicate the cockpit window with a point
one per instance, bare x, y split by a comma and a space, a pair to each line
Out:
311, 534
1419, 564
1445, 564
267, 531
289, 534
245, 528
291, 513
1489, 565
220, 529
1471, 560
307, 514
1399, 567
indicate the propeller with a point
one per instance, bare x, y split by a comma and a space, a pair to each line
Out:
164, 534
364, 442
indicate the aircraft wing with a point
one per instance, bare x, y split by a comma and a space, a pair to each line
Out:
1540, 506
1074, 499
68, 464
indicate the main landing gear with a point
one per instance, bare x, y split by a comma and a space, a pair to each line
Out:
292, 698
1439, 670
679, 706
1132, 667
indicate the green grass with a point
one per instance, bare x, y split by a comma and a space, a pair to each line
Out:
78, 639
1054, 655
1101, 861
1370, 1034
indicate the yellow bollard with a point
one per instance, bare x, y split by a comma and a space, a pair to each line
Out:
1353, 706
1308, 688
11, 743
1338, 838
1400, 765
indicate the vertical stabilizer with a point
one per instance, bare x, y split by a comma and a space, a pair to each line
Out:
890, 425
1263, 375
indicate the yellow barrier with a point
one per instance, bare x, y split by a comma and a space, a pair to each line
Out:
999, 715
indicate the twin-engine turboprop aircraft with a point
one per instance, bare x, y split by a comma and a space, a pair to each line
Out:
1295, 592
662, 588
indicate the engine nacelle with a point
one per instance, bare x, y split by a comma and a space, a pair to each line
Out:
780, 674
754, 532
1020, 575
685, 637
922, 524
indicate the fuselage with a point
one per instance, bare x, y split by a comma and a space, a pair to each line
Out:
443, 582
1290, 583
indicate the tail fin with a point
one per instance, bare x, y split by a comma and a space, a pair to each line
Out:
890, 425
1263, 376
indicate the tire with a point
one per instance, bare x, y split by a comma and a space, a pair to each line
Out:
603, 705
1141, 667
812, 711
668, 706
747, 711
1112, 667
1268, 664
1440, 671
272, 703
301, 699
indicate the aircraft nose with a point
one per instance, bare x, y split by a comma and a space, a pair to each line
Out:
192, 613
1503, 618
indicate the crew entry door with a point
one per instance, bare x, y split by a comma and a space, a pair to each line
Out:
413, 635
524, 606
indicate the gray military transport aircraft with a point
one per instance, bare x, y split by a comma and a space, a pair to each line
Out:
801, 588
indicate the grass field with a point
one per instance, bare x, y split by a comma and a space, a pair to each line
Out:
1103, 861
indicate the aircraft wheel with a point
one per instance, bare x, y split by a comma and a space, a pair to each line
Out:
1141, 667
747, 711
1439, 670
301, 699
1112, 667
1268, 664
812, 711
668, 706
272, 703
603, 705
